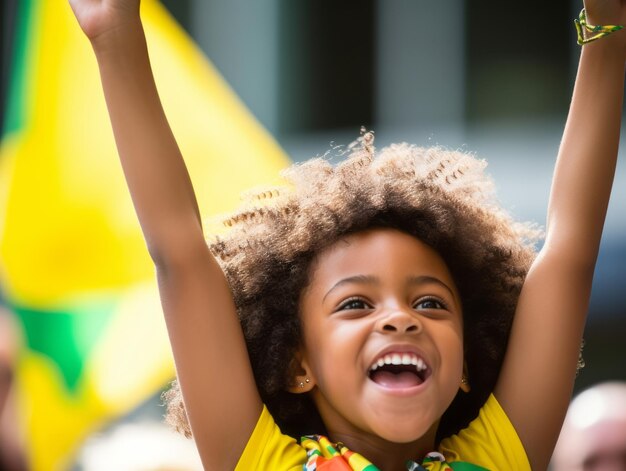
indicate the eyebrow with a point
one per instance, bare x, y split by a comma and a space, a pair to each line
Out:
374, 280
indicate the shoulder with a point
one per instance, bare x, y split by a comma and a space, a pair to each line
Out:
269, 449
489, 441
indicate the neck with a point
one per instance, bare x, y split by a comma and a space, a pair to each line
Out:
387, 456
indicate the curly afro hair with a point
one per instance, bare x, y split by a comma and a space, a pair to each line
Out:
444, 198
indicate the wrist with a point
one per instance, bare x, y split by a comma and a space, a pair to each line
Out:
602, 18
613, 44
590, 30
608, 53
120, 36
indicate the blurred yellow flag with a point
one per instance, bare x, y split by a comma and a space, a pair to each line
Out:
73, 264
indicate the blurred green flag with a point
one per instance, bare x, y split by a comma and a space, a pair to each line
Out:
73, 264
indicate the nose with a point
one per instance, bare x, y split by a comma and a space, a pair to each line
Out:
401, 322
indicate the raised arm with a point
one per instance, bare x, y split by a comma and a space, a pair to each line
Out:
212, 363
537, 377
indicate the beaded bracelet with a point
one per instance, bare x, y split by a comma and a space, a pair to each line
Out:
598, 32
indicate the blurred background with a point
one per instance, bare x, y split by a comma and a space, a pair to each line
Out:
478, 76
469, 74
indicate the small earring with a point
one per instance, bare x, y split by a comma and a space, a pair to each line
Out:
307, 381
465, 386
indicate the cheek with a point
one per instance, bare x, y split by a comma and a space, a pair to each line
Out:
321, 348
450, 341
334, 351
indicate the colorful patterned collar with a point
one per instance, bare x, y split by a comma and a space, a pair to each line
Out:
326, 456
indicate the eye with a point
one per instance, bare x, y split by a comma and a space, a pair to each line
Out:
430, 303
353, 304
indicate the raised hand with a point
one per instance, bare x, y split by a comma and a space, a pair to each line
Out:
98, 17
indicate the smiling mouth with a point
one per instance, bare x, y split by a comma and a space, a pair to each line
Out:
399, 371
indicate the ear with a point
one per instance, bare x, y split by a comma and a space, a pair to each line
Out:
302, 380
465, 385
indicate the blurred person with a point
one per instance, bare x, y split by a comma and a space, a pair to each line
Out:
141, 446
11, 449
593, 437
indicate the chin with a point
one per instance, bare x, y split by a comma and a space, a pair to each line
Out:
405, 431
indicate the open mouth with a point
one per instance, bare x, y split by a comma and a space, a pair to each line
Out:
399, 371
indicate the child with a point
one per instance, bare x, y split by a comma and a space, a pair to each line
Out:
377, 297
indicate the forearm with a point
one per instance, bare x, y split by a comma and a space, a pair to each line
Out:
155, 172
588, 153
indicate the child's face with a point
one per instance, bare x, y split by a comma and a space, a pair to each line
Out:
382, 296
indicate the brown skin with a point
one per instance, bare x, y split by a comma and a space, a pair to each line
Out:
198, 305
555, 297
375, 292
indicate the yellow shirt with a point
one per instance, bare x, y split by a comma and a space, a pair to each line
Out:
490, 441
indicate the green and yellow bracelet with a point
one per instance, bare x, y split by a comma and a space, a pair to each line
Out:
585, 29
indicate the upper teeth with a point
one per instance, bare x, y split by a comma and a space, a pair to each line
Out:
400, 359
